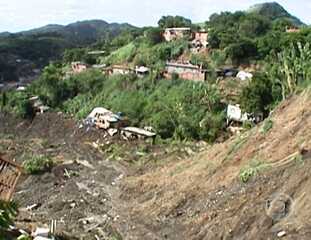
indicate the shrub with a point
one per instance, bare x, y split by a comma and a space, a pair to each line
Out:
268, 125
18, 103
7, 212
38, 164
259, 95
252, 170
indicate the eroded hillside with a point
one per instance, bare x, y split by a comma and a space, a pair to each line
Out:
204, 197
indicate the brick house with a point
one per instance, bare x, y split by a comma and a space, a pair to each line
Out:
186, 71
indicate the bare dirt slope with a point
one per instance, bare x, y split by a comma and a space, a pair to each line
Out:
203, 197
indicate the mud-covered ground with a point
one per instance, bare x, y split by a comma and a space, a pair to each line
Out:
81, 192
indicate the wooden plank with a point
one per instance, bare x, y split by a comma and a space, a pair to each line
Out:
9, 175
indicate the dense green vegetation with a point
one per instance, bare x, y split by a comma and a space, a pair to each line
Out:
180, 109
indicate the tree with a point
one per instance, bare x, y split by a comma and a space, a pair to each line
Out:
153, 35
241, 51
254, 25
259, 95
291, 67
174, 21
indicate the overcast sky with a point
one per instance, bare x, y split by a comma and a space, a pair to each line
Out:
17, 15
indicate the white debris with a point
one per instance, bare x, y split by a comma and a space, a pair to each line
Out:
42, 238
234, 112
112, 131
31, 207
242, 75
41, 232
281, 234
139, 131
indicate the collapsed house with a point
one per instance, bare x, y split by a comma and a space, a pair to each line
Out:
186, 71
114, 124
172, 34
78, 67
103, 118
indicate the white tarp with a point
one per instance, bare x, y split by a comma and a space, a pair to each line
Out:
244, 75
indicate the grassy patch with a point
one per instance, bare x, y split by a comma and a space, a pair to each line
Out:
7, 212
299, 159
252, 170
38, 164
267, 126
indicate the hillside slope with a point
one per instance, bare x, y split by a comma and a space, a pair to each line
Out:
34, 49
82, 32
203, 197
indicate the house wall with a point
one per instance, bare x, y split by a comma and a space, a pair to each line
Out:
201, 36
121, 71
78, 68
186, 73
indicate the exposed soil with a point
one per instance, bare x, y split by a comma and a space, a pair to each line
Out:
203, 198
110, 189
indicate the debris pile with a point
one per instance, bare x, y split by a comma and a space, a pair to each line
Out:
38, 105
116, 124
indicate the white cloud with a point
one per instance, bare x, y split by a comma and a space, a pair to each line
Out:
16, 15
